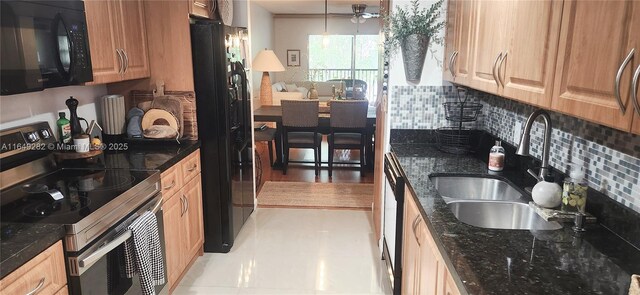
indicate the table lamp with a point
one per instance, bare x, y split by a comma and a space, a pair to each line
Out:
266, 61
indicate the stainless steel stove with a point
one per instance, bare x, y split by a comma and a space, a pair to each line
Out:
94, 205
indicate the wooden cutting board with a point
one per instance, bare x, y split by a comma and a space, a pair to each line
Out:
173, 105
188, 100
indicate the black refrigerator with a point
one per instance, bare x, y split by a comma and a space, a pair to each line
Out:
223, 108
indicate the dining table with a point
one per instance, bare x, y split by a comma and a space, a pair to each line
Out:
273, 114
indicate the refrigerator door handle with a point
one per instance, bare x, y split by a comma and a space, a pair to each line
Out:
238, 69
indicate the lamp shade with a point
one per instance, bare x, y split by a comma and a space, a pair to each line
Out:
267, 61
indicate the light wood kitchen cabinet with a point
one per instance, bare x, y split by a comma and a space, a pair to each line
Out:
118, 40
458, 42
182, 213
526, 70
193, 217
172, 210
489, 41
424, 271
202, 8
410, 249
43, 274
514, 49
597, 41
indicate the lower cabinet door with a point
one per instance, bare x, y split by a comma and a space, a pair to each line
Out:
173, 211
429, 263
192, 193
410, 250
43, 274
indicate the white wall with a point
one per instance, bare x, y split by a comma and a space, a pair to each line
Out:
431, 73
26, 108
293, 33
261, 33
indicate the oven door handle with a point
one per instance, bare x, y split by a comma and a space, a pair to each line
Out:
102, 251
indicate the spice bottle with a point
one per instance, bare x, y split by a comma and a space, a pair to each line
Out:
496, 157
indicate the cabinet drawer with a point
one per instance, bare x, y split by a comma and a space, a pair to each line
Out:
190, 166
44, 274
171, 181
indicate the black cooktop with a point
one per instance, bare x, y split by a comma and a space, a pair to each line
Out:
81, 192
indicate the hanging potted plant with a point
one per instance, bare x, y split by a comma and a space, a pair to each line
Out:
413, 30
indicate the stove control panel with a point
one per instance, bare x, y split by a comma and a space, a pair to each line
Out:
33, 137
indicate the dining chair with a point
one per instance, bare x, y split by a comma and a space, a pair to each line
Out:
348, 129
300, 129
268, 136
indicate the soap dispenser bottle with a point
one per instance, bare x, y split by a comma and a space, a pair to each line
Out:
496, 157
547, 193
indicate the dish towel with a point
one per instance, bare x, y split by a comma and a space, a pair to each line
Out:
143, 254
634, 289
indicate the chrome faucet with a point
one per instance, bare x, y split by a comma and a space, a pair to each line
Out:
525, 140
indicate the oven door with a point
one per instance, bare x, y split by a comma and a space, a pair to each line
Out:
43, 46
99, 269
392, 220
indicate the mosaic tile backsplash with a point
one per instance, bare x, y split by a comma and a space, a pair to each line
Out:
610, 157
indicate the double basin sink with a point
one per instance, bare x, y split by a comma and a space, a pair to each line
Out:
488, 202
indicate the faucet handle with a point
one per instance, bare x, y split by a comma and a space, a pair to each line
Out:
534, 174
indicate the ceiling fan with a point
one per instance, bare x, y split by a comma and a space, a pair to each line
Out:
359, 14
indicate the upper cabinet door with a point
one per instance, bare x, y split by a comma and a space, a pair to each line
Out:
464, 41
489, 44
106, 60
449, 41
596, 41
117, 40
134, 40
526, 72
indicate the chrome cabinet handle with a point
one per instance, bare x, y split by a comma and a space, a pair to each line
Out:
186, 201
636, 78
495, 63
173, 183
616, 87
451, 64
126, 61
415, 225
455, 59
193, 167
504, 57
182, 206
121, 59
37, 288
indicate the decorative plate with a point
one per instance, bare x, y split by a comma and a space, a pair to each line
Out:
225, 9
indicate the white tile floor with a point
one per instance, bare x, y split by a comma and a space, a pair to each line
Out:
294, 251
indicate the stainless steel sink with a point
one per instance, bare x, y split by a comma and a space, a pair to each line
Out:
500, 215
453, 188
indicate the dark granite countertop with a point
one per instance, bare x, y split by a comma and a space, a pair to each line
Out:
151, 157
21, 242
491, 261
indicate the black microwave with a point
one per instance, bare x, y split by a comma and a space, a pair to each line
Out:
44, 45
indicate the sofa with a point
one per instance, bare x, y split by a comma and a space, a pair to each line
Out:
299, 90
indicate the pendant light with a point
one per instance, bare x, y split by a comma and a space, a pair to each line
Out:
325, 35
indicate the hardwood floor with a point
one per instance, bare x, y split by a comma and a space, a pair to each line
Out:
305, 173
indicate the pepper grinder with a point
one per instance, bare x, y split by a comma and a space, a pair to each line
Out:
72, 104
